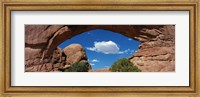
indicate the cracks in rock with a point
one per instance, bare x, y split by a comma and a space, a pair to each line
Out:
53, 36
35, 46
150, 58
38, 67
46, 45
30, 68
47, 27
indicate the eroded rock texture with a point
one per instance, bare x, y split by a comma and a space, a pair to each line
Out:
75, 53
156, 53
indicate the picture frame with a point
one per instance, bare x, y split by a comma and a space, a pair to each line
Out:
95, 91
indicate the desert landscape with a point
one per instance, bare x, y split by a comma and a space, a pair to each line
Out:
155, 53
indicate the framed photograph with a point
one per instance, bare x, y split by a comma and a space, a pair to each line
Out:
100, 48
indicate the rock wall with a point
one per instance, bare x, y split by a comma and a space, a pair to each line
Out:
156, 53
59, 60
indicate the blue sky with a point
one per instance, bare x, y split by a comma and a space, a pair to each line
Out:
104, 47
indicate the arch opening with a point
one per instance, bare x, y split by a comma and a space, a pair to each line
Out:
103, 47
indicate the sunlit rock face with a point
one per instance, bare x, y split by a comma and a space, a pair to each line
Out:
75, 53
156, 52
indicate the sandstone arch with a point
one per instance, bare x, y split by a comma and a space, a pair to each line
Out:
156, 53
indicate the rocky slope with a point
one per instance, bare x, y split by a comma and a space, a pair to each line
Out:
60, 59
156, 53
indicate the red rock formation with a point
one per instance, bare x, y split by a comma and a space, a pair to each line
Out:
74, 53
156, 53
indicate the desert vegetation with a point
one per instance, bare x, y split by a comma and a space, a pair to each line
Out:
124, 65
78, 67
121, 65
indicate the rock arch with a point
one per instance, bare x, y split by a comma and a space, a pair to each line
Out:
156, 53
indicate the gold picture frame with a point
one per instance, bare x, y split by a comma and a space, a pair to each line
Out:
193, 90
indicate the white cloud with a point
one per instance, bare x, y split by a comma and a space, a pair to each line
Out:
106, 66
128, 51
130, 39
92, 64
108, 47
95, 60
91, 48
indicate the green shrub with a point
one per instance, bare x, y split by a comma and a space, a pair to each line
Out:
78, 67
124, 65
